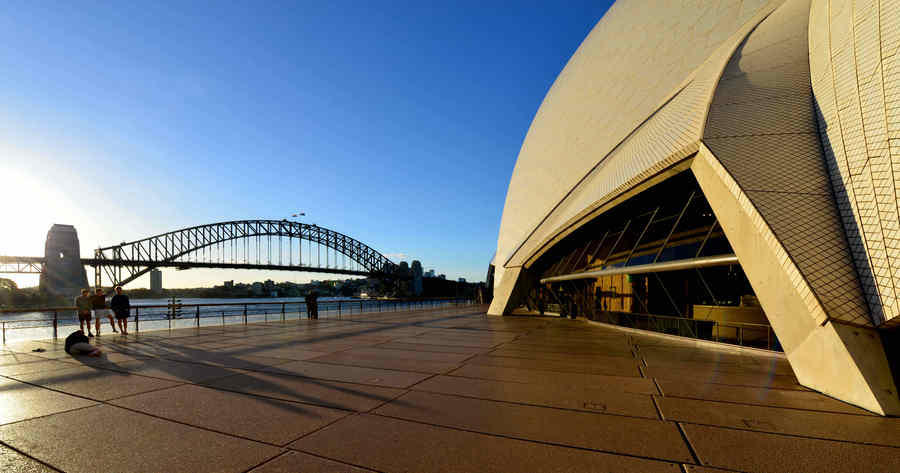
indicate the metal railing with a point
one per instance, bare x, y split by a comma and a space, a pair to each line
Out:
735, 333
177, 315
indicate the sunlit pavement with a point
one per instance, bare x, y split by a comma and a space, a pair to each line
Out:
433, 390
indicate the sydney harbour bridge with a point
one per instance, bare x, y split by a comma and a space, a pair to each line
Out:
240, 244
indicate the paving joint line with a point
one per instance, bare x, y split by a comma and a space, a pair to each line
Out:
786, 434
790, 408
350, 414
659, 411
539, 442
51, 414
334, 459
687, 442
543, 406
24, 454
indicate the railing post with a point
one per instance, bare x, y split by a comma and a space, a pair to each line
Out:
282, 313
55, 326
137, 326
245, 314
4, 332
339, 310
198, 316
223, 318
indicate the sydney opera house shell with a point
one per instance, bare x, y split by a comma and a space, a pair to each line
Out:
700, 157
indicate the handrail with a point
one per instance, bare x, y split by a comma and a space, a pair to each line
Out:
204, 304
247, 311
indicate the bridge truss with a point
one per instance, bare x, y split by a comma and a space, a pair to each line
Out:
21, 264
241, 244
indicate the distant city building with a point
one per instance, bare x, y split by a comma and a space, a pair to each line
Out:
417, 277
257, 288
155, 280
442, 276
229, 284
461, 280
429, 273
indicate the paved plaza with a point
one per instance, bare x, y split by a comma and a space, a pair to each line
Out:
432, 390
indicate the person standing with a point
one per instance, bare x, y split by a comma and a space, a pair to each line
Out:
98, 302
312, 305
121, 306
83, 303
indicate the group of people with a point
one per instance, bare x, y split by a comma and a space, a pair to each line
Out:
95, 307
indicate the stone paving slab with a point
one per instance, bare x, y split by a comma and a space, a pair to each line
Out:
173, 370
399, 446
34, 365
110, 439
519, 375
756, 396
761, 452
348, 373
266, 420
570, 349
601, 365
582, 398
519, 394
504, 350
751, 379
93, 383
379, 351
744, 366
615, 434
244, 362
448, 341
854, 428
19, 401
288, 352
356, 397
431, 348
12, 461
401, 364
293, 462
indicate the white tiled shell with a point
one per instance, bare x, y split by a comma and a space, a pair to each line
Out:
631, 101
854, 50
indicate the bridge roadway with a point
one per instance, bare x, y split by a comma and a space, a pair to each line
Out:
34, 265
436, 390
237, 244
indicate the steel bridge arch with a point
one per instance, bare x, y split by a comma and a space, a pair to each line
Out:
138, 257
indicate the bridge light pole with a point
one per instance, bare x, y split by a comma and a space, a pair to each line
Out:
300, 242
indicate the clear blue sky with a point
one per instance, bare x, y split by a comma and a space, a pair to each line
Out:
395, 123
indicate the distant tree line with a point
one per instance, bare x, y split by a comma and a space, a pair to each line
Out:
14, 297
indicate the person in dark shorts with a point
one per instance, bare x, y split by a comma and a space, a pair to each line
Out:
78, 344
312, 305
83, 303
121, 306
98, 303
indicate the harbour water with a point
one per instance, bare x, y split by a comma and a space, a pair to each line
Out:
30, 325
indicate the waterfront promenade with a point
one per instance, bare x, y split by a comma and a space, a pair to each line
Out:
431, 390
